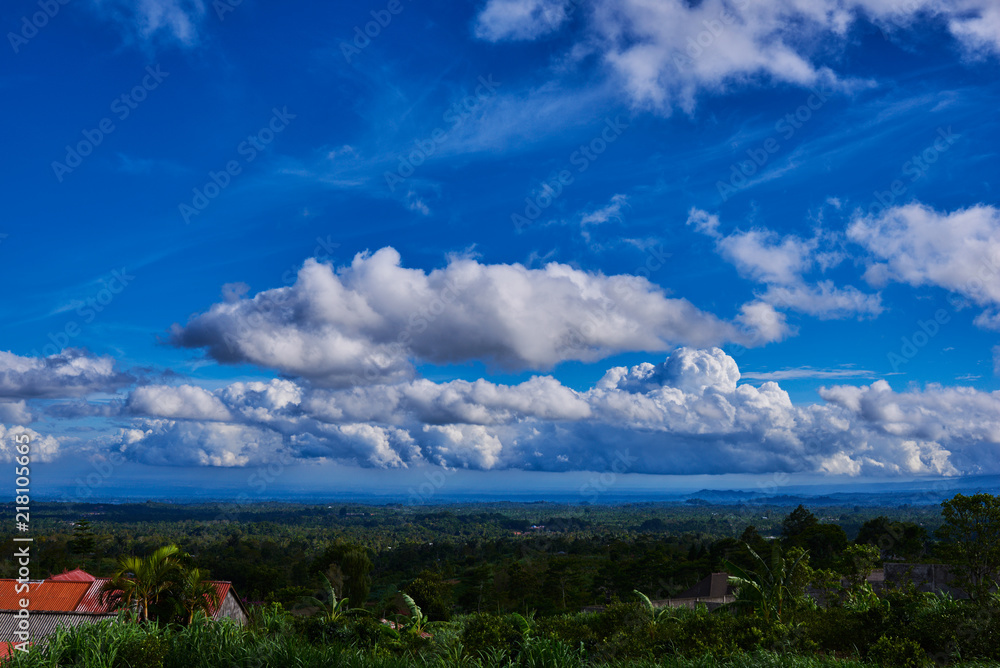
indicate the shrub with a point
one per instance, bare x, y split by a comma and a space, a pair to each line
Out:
897, 653
483, 633
141, 651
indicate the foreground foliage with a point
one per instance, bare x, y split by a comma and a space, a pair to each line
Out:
905, 629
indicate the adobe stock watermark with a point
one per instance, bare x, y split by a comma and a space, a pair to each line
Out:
223, 7
435, 481
916, 167
579, 338
758, 156
602, 482
323, 252
581, 158
48, 9
87, 310
103, 471
911, 345
453, 117
247, 150
714, 29
921, 336
122, 107
417, 324
381, 19
258, 481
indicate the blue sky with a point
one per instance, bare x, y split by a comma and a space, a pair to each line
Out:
722, 238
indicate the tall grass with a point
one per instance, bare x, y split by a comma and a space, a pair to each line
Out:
126, 644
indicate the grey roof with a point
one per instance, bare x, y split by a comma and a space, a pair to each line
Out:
42, 624
715, 585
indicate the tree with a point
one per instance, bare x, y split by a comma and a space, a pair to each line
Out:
972, 530
84, 541
432, 594
894, 539
858, 562
195, 593
797, 522
140, 582
351, 577
825, 543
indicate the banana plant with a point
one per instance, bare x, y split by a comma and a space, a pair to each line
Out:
333, 609
767, 590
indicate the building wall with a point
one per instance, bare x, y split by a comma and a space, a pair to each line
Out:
231, 609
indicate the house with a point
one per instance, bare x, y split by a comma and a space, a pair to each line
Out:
74, 598
936, 578
712, 592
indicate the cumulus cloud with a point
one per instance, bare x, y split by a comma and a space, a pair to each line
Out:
43, 448
191, 443
958, 251
15, 412
950, 429
365, 323
688, 414
781, 263
520, 19
185, 401
71, 373
665, 53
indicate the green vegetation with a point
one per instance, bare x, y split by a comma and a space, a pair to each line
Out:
503, 585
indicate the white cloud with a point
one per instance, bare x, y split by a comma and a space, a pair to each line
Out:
189, 443
185, 401
781, 264
957, 251
15, 412
71, 373
665, 53
364, 323
43, 448
520, 19
689, 414
948, 429
806, 372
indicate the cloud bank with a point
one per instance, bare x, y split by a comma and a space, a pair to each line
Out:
687, 415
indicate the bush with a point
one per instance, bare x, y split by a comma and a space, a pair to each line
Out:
897, 653
141, 651
483, 633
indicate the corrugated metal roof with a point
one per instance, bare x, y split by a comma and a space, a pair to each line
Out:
43, 596
91, 599
41, 624
54, 595
221, 588
75, 575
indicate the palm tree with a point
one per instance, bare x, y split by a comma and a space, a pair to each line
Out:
139, 582
196, 593
766, 589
